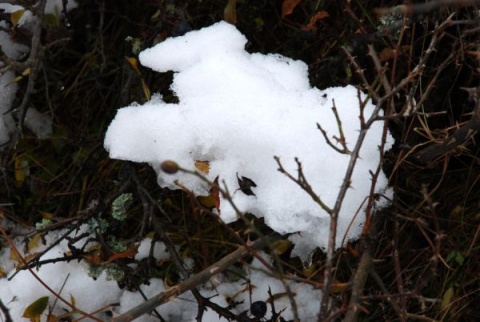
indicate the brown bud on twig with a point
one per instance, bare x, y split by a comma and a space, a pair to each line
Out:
169, 167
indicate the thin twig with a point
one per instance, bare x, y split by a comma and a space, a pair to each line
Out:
303, 183
341, 139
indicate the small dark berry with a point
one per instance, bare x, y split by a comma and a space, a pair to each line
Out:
258, 309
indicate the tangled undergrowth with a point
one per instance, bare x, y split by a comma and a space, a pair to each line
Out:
419, 257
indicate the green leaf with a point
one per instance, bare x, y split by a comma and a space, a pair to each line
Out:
34, 310
456, 257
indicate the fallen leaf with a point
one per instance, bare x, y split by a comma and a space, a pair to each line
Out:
23, 74
146, 90
94, 259
281, 246
352, 250
230, 12
388, 53
22, 170
34, 310
46, 214
213, 199
16, 16
447, 297
33, 243
337, 287
288, 6
129, 253
98, 258
94, 256
313, 21
133, 62
202, 166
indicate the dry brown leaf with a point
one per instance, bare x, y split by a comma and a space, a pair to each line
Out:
313, 21
129, 253
288, 6
213, 199
388, 53
133, 62
230, 12
202, 166
16, 16
33, 243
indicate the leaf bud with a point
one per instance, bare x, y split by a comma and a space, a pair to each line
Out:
169, 167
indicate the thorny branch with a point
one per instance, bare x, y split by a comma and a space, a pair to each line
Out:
303, 183
341, 139
336, 210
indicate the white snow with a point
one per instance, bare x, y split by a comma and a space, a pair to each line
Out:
238, 110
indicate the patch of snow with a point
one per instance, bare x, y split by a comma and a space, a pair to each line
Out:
238, 110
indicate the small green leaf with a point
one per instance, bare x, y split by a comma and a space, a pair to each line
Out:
455, 256
34, 310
